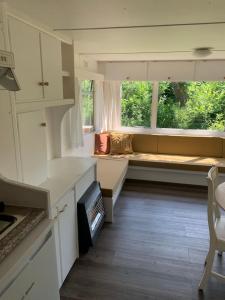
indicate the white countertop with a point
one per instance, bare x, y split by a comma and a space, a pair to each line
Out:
63, 173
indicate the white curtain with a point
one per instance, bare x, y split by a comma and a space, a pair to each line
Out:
111, 110
76, 123
99, 105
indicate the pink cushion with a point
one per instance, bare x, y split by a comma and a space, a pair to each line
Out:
102, 143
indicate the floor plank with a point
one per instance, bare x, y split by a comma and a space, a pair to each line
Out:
154, 250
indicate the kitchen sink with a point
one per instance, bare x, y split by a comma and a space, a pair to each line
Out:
6, 221
10, 218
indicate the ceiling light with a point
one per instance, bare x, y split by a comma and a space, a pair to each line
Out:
202, 51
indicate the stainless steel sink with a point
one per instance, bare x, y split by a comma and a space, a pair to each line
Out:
10, 218
6, 221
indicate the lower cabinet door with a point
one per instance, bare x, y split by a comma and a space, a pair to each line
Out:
19, 286
67, 233
45, 284
38, 280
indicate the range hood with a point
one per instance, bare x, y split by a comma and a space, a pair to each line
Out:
8, 78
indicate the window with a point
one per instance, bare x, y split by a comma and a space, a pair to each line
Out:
87, 89
175, 105
136, 103
191, 105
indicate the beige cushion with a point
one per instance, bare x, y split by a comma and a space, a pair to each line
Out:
121, 143
180, 162
196, 146
146, 143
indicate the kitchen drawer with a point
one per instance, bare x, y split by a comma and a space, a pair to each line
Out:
84, 183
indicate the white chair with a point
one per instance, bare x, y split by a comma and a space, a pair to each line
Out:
216, 224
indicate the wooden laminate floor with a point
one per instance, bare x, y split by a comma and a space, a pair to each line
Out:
155, 249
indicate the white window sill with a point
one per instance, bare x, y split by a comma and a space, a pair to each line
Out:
170, 131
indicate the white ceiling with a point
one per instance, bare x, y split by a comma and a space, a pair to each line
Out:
103, 13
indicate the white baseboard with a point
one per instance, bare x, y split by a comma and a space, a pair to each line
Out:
169, 175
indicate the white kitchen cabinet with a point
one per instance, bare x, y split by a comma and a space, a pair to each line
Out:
33, 148
8, 166
45, 271
20, 285
126, 71
210, 70
68, 179
2, 40
66, 224
52, 67
25, 44
38, 62
38, 279
171, 70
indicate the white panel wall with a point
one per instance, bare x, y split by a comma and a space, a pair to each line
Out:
2, 38
8, 166
210, 70
171, 70
87, 63
126, 71
2, 42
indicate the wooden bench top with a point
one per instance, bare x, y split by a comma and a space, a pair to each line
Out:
180, 162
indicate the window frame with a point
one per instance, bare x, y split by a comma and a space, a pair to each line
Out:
167, 131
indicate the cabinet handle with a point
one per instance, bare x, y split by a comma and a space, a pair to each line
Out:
43, 124
30, 288
62, 210
46, 83
41, 83
47, 237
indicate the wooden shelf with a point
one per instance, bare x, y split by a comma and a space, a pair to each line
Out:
36, 105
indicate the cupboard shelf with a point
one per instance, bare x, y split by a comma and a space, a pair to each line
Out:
37, 105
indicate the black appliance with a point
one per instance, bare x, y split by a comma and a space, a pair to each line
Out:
90, 212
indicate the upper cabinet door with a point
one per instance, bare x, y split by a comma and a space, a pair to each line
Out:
171, 70
126, 71
52, 67
33, 149
25, 43
210, 70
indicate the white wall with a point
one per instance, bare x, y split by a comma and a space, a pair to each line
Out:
87, 149
67, 150
164, 70
2, 41
87, 63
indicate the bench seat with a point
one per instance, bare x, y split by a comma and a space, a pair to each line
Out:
179, 162
111, 174
152, 152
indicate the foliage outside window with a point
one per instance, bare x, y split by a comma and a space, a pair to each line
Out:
181, 105
87, 90
136, 103
191, 105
